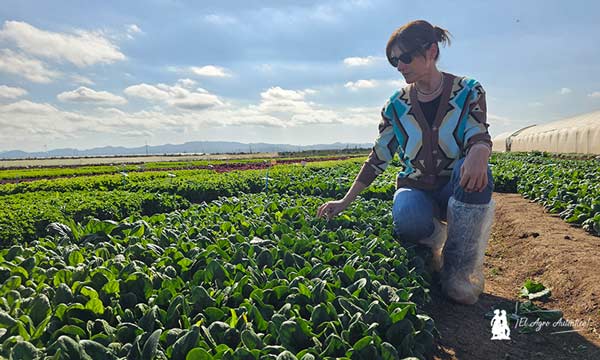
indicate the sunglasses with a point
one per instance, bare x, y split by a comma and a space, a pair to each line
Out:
408, 56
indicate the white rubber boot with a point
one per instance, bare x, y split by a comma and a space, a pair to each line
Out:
436, 242
469, 227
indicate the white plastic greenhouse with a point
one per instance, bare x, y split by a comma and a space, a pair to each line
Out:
579, 134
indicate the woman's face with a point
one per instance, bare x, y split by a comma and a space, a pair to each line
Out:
420, 66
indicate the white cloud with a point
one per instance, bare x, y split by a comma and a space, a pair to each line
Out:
9, 92
565, 91
360, 61
245, 116
360, 84
195, 101
292, 109
595, 94
87, 95
27, 107
39, 122
304, 15
133, 30
210, 71
146, 91
111, 111
277, 93
286, 103
179, 95
219, 19
187, 83
372, 83
78, 79
277, 108
82, 48
18, 64
535, 104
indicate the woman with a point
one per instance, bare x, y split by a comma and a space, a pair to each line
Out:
437, 124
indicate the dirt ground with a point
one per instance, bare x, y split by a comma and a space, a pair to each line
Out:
528, 243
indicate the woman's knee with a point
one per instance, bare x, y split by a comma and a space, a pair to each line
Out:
413, 214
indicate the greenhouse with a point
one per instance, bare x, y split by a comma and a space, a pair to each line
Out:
579, 134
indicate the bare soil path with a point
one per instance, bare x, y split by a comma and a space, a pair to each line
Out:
528, 243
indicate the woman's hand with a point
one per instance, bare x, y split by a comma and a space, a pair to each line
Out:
332, 208
473, 172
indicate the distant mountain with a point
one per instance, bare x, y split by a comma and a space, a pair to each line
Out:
194, 147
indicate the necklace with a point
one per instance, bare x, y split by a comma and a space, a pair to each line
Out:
434, 91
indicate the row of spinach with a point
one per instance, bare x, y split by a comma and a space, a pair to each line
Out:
567, 187
27, 208
564, 186
257, 276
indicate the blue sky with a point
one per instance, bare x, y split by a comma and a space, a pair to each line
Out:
83, 74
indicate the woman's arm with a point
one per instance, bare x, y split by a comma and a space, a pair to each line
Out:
473, 173
478, 147
332, 208
378, 160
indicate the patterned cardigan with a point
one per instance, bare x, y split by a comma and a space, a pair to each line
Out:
428, 153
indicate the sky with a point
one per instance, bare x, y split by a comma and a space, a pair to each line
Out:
129, 73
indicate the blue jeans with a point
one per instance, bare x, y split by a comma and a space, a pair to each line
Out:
414, 209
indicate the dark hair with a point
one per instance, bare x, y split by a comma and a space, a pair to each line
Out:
414, 36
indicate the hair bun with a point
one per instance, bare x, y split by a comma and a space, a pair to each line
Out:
441, 35
438, 33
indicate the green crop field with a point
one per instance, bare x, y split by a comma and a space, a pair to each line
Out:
568, 187
196, 264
